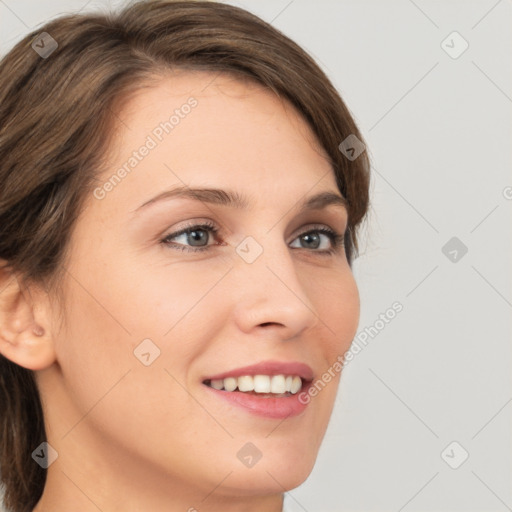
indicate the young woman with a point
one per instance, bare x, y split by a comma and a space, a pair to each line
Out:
180, 192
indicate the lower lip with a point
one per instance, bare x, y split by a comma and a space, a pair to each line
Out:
279, 407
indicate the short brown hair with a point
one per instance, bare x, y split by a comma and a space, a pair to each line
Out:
57, 114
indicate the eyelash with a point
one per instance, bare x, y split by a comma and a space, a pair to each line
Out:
336, 239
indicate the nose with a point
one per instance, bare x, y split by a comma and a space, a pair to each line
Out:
270, 294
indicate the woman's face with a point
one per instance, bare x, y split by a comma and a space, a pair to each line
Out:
151, 316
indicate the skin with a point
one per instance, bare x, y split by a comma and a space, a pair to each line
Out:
132, 437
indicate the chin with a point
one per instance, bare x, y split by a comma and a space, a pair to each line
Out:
276, 472
261, 483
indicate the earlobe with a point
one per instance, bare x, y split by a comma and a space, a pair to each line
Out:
24, 340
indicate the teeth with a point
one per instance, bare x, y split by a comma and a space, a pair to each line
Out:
296, 384
230, 384
245, 383
262, 384
217, 384
277, 384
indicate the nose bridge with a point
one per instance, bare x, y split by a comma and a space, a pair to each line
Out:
270, 291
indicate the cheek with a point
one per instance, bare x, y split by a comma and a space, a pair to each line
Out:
112, 393
157, 300
93, 349
338, 307
110, 311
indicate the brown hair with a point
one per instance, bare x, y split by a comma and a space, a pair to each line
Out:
57, 114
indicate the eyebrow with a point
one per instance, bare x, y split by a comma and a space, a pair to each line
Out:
233, 199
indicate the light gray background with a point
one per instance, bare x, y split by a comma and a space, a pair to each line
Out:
439, 134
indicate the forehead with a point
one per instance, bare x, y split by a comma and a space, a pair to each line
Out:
205, 128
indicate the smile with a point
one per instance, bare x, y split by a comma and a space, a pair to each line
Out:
267, 389
267, 385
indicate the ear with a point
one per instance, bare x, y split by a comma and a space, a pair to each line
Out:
25, 337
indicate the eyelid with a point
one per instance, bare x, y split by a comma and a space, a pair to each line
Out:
222, 228
336, 237
214, 226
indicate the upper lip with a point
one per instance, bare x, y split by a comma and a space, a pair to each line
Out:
303, 370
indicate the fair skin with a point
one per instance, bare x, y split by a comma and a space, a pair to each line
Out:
132, 437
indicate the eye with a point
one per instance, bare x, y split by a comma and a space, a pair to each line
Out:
197, 236
313, 238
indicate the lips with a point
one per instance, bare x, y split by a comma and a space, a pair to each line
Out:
271, 368
267, 389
